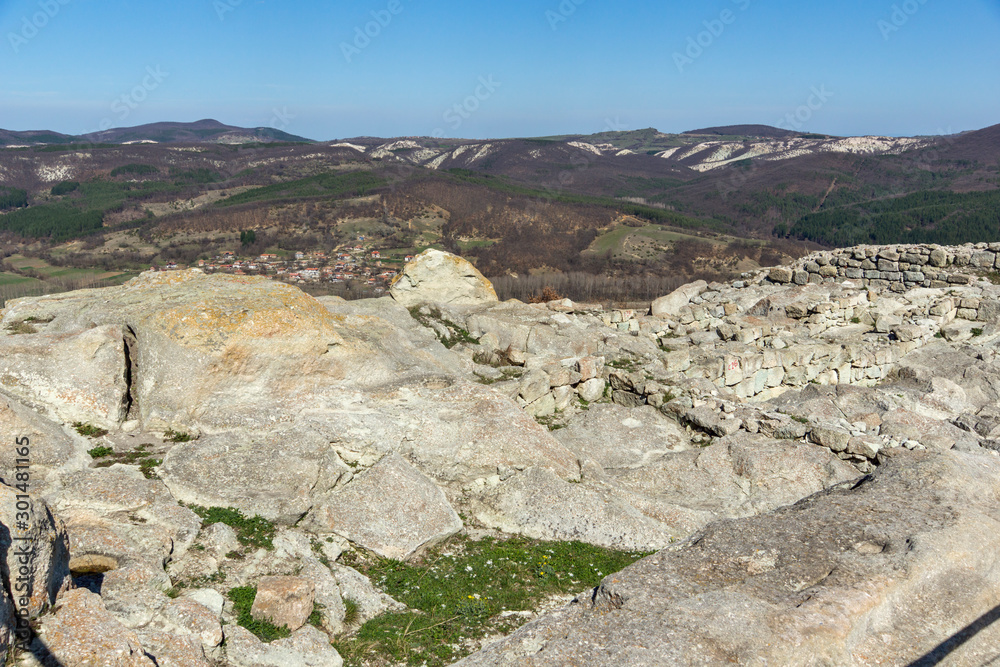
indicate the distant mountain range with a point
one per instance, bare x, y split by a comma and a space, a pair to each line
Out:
650, 140
514, 195
202, 131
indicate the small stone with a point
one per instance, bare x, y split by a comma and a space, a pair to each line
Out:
284, 601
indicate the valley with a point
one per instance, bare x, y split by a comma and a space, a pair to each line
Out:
633, 208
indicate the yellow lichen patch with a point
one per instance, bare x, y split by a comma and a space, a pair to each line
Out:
215, 311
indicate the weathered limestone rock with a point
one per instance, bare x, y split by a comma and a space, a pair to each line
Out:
188, 617
592, 390
738, 476
246, 471
357, 587
84, 634
307, 647
284, 601
817, 582
171, 650
440, 277
392, 509
709, 420
116, 516
36, 552
78, 376
616, 437
539, 505
50, 445
670, 305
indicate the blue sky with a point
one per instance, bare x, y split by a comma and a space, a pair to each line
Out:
501, 69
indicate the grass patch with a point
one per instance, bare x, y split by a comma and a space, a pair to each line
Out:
461, 591
976, 333
550, 422
456, 334
138, 456
21, 328
173, 436
316, 617
89, 430
623, 365
242, 598
505, 375
352, 611
253, 531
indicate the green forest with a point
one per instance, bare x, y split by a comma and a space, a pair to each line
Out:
12, 198
80, 213
923, 217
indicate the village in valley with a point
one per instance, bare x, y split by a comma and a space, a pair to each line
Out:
350, 265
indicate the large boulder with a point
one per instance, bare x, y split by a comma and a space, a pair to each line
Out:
83, 633
615, 437
392, 509
741, 475
540, 505
51, 445
896, 568
35, 551
307, 647
670, 305
79, 375
440, 277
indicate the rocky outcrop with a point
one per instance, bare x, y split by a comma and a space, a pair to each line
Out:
840, 578
82, 632
727, 412
442, 278
35, 549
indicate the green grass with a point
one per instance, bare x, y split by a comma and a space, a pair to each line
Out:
460, 590
550, 422
352, 612
976, 333
242, 598
15, 279
89, 430
614, 240
622, 364
253, 531
457, 333
175, 436
138, 456
316, 616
